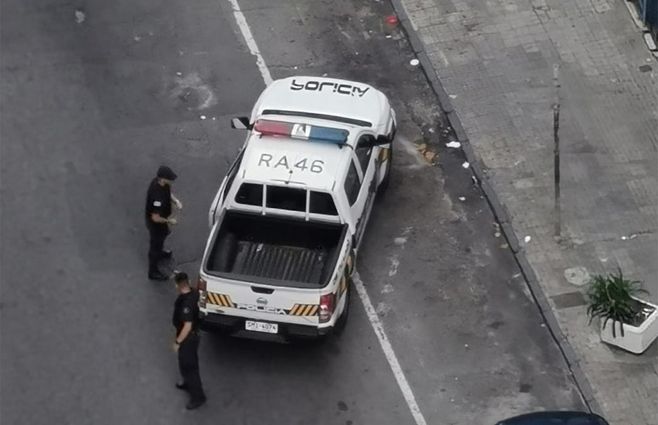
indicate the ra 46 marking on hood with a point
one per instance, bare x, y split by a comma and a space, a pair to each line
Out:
341, 88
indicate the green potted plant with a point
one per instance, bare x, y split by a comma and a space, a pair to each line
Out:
626, 321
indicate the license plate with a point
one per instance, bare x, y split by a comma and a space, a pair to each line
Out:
270, 328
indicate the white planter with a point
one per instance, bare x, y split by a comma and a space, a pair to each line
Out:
635, 339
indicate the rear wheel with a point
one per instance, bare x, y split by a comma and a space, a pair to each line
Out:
342, 320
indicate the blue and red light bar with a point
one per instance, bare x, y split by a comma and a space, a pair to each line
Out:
302, 131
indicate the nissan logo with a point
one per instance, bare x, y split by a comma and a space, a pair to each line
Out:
261, 300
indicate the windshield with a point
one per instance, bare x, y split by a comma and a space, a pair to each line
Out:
345, 120
555, 418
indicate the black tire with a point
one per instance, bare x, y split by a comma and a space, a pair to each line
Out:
387, 177
342, 320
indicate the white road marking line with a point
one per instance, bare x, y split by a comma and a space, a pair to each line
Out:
393, 362
377, 325
251, 43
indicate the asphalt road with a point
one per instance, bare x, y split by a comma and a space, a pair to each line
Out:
91, 108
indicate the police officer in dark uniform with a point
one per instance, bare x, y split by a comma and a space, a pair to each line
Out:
158, 218
186, 322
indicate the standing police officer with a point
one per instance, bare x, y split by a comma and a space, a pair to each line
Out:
186, 344
158, 220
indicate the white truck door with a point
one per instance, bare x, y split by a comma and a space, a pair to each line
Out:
361, 190
214, 211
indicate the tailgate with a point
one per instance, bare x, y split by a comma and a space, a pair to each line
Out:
261, 302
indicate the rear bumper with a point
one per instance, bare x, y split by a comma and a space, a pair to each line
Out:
234, 325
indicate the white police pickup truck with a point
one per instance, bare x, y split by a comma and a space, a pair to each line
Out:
288, 218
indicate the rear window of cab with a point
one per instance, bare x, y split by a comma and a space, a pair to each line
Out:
286, 198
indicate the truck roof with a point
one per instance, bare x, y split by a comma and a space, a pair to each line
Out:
346, 101
305, 128
280, 160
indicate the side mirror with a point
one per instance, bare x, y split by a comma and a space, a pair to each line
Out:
370, 141
382, 140
240, 123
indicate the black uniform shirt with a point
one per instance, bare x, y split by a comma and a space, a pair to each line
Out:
186, 309
158, 201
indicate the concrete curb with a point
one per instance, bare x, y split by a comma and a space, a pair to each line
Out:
500, 212
646, 34
634, 15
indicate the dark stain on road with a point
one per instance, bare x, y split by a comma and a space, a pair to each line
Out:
496, 324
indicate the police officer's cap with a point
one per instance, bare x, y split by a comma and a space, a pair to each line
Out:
165, 172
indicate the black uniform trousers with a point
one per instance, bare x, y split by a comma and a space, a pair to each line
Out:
158, 234
188, 363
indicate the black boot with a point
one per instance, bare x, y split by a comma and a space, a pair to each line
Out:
195, 404
157, 276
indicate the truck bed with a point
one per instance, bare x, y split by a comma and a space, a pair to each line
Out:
276, 251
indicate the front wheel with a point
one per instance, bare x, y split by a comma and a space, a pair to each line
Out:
387, 177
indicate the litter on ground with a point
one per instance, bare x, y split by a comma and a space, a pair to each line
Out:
79, 16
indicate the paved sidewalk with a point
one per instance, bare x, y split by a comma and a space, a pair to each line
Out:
495, 60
